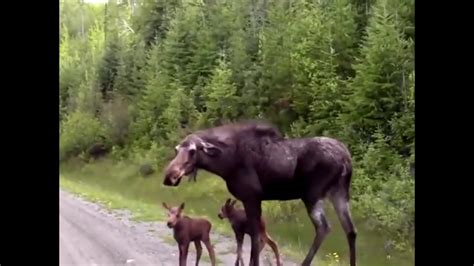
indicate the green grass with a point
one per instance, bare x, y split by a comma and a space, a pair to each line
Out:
118, 185
113, 200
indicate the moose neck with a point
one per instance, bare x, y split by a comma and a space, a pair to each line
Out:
219, 167
179, 223
233, 215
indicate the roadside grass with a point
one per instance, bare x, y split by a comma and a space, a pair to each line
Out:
118, 185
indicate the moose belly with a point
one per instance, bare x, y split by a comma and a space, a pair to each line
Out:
283, 190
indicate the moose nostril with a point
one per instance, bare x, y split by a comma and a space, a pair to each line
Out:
170, 174
167, 181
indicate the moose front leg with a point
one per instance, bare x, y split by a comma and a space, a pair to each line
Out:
183, 254
253, 210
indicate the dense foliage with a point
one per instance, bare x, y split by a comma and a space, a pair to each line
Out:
142, 73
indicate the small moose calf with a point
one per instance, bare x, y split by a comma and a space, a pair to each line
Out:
187, 230
238, 221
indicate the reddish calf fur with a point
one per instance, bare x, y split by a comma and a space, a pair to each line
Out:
241, 226
187, 230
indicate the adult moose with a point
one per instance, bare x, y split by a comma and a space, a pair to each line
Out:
258, 163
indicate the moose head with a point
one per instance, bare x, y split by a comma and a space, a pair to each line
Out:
174, 214
226, 209
192, 153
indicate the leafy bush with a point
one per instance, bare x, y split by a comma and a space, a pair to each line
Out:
116, 121
78, 132
383, 191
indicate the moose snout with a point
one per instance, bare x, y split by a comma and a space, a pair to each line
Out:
171, 177
167, 181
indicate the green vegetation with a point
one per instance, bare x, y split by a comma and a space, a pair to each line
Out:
118, 185
138, 75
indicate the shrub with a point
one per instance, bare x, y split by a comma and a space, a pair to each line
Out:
78, 132
116, 120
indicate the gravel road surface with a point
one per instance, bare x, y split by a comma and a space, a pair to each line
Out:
92, 235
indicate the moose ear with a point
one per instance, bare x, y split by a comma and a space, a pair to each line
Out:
211, 149
227, 202
233, 202
165, 205
181, 207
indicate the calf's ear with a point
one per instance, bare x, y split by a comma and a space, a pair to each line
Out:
165, 205
181, 207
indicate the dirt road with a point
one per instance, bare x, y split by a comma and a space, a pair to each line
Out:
92, 235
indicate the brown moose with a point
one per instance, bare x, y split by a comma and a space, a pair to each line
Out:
241, 226
187, 230
258, 163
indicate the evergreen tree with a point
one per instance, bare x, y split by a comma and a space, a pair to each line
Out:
222, 102
180, 114
153, 18
277, 69
379, 88
178, 47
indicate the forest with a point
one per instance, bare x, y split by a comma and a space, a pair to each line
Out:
136, 76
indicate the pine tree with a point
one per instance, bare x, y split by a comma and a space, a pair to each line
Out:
340, 15
222, 102
138, 59
276, 68
178, 47
153, 18
151, 105
69, 74
204, 54
378, 87
243, 58
152, 99
402, 123
180, 114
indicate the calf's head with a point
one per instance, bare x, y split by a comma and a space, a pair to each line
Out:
191, 152
226, 209
174, 213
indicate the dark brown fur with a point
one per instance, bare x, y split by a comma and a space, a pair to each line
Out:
258, 163
187, 230
240, 225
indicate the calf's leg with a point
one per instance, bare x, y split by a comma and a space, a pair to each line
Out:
183, 254
274, 247
197, 243
210, 250
239, 237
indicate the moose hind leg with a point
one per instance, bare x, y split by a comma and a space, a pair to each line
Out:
341, 205
197, 243
322, 228
210, 250
274, 247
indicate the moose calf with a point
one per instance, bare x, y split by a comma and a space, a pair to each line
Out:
240, 225
185, 230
